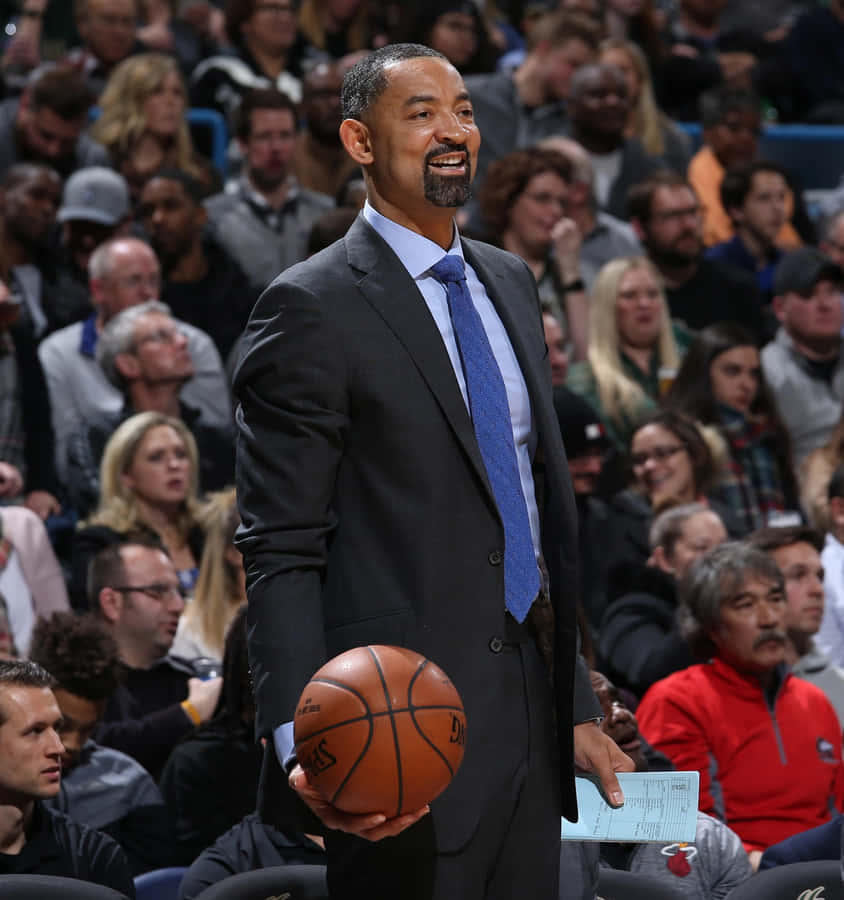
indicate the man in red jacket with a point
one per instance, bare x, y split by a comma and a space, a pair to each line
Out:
767, 744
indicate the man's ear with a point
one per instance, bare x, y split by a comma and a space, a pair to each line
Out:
111, 604
356, 139
778, 306
661, 560
201, 216
127, 366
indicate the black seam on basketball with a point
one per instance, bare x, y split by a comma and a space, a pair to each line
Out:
377, 664
412, 710
375, 715
345, 687
351, 771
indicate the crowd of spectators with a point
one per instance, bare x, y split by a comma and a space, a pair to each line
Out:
691, 295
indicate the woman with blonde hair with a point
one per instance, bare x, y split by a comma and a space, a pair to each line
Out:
221, 586
660, 136
142, 123
148, 491
631, 337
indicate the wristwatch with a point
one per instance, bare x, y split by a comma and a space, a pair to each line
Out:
573, 286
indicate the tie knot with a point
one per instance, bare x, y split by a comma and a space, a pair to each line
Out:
449, 269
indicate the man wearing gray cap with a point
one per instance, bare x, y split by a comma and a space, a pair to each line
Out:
803, 365
95, 207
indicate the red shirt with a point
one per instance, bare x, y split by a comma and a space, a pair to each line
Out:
768, 772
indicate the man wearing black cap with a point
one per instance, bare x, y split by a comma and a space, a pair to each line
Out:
803, 365
586, 444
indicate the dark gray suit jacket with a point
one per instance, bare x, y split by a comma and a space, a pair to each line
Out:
367, 514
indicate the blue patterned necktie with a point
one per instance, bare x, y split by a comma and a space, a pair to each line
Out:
490, 414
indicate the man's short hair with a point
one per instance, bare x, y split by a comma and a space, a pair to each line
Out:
715, 104
712, 581
260, 98
738, 181
119, 334
190, 185
23, 673
640, 197
364, 83
561, 26
79, 653
107, 569
774, 537
63, 90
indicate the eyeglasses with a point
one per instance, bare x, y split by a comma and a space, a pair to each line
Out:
658, 454
675, 215
161, 336
133, 282
545, 199
153, 591
276, 9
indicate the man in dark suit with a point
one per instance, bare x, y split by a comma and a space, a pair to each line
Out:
373, 511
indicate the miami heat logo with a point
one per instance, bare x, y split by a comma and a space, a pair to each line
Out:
680, 857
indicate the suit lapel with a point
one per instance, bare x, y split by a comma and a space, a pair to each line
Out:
389, 289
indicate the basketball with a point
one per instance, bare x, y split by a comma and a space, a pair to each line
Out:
380, 730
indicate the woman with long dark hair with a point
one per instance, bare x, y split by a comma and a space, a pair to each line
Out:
720, 383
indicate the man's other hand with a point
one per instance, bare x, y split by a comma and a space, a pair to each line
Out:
599, 754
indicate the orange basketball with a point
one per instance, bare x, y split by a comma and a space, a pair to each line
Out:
380, 730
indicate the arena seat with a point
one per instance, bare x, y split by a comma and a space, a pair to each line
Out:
293, 882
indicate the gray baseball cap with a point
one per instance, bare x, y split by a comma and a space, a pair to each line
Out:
95, 194
802, 269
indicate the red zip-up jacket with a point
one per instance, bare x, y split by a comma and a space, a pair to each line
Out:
768, 770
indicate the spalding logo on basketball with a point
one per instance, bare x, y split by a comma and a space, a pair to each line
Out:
380, 730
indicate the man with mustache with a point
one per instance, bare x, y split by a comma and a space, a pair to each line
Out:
667, 217
767, 744
796, 549
402, 480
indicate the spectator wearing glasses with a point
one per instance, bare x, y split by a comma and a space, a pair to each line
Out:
123, 272
667, 216
524, 204
135, 590
145, 354
269, 52
148, 485
671, 463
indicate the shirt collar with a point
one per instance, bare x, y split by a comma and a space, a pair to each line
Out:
88, 340
416, 252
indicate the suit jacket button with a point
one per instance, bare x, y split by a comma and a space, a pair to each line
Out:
496, 645
495, 558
